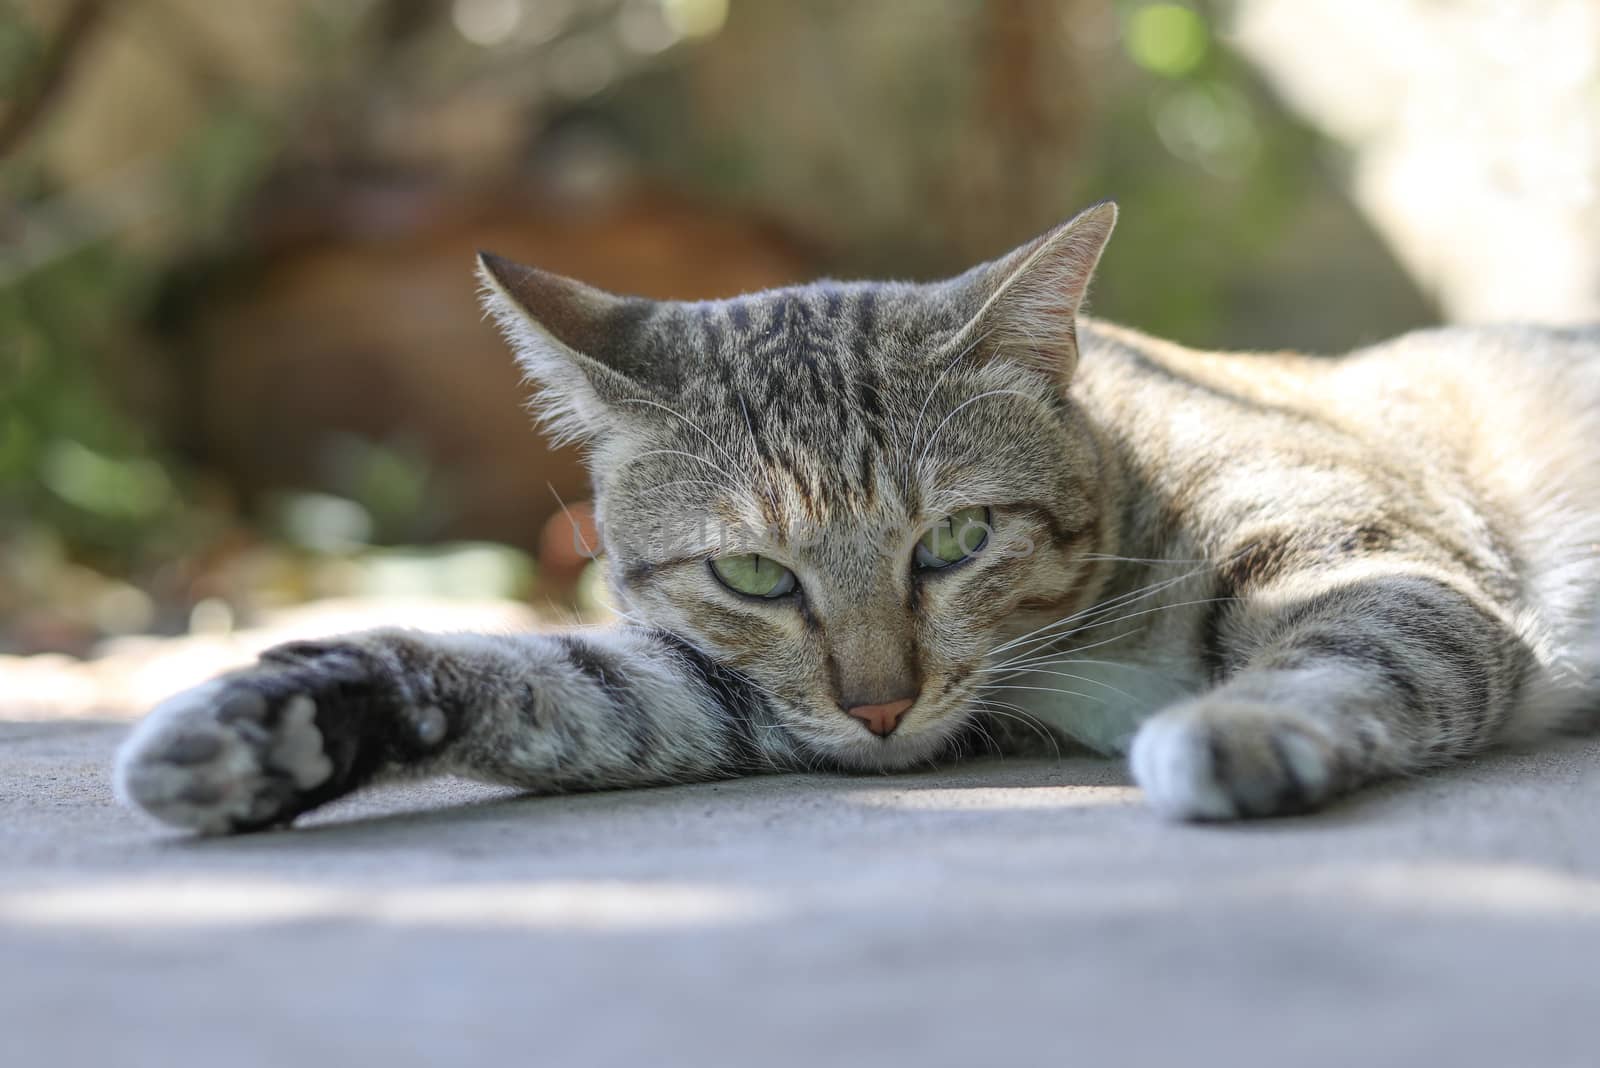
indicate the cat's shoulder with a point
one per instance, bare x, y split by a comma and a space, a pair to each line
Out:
1524, 344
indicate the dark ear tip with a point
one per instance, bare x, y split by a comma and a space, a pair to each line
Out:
501, 271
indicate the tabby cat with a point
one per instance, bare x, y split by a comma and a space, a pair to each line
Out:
868, 526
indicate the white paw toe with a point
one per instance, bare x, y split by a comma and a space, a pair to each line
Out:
1221, 761
1171, 764
297, 744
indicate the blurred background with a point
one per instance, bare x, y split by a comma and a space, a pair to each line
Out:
241, 362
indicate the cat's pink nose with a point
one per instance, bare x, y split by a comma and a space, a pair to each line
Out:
881, 719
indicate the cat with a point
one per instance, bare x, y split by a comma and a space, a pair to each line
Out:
870, 526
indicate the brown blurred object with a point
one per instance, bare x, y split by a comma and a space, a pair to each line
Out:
375, 332
568, 542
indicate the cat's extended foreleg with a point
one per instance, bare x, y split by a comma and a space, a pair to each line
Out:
313, 720
1324, 693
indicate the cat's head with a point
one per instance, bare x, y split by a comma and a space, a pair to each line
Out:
853, 493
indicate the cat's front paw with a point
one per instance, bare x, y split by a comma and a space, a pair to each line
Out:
310, 721
227, 755
1214, 759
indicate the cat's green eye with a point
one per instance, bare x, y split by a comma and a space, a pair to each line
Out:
953, 538
754, 575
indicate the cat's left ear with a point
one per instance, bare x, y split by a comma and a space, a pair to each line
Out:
582, 345
1030, 298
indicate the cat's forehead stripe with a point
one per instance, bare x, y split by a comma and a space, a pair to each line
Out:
814, 388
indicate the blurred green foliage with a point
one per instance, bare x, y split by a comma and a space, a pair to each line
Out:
21, 48
1209, 170
78, 460
1166, 39
71, 458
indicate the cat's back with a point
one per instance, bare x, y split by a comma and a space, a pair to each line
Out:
1486, 368
1513, 411
1503, 407
1478, 383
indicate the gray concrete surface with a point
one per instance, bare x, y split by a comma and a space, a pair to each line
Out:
992, 914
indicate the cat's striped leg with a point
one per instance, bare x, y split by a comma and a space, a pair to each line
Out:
313, 720
1325, 693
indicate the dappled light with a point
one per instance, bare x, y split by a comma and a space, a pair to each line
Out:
979, 799
577, 906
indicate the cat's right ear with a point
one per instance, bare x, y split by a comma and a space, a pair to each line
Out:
578, 343
1030, 299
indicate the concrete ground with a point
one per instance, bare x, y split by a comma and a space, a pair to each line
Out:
992, 914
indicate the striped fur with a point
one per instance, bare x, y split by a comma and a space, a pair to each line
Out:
1268, 579
582, 711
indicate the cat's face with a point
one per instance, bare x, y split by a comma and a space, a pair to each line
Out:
851, 493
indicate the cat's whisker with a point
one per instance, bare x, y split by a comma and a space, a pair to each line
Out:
981, 728
1100, 608
577, 530
1040, 654
1044, 653
934, 437
1202, 562
1133, 615
1068, 675
732, 480
746, 680
690, 423
1115, 559
1027, 657
1050, 661
916, 426
1010, 711
733, 485
1048, 632
1048, 656
772, 489
1095, 611
1043, 689
897, 427
659, 486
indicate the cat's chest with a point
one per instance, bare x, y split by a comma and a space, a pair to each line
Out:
1097, 702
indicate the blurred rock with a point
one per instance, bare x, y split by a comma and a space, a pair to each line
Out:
1475, 128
